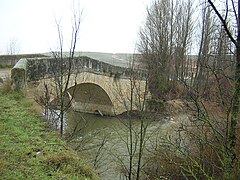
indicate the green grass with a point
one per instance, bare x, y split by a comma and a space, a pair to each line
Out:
31, 150
3, 66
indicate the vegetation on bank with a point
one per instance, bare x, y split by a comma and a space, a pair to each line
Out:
29, 149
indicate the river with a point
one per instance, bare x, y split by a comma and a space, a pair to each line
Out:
105, 141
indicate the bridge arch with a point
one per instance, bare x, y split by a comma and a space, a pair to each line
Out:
91, 97
111, 95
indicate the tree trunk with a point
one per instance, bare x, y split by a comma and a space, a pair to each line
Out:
231, 135
232, 132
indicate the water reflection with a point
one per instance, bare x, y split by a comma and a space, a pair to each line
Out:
53, 116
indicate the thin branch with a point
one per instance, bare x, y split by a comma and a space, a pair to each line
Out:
235, 13
224, 23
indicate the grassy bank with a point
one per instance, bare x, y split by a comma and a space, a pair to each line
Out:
31, 150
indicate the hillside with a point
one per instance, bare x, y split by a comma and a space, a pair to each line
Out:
116, 59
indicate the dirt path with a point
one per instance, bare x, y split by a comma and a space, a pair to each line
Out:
5, 73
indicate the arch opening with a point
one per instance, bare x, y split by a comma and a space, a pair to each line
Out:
91, 98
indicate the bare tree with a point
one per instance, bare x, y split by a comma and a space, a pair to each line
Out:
135, 104
232, 10
13, 47
207, 146
164, 43
63, 68
207, 33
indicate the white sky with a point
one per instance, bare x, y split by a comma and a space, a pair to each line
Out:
107, 26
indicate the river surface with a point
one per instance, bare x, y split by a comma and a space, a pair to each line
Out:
105, 141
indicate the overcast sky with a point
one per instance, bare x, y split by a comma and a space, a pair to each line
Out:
107, 25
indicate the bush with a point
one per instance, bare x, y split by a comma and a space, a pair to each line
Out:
196, 152
163, 165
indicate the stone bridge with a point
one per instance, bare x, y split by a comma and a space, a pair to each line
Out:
94, 86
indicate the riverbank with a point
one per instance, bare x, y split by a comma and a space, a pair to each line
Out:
29, 149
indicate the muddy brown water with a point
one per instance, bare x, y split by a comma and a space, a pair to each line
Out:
104, 139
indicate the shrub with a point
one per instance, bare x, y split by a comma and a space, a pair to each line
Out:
196, 152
